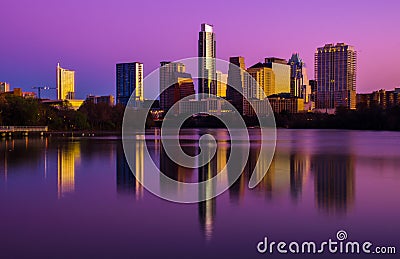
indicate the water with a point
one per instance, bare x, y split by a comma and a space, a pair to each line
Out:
67, 198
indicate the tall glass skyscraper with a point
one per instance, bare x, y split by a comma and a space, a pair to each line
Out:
335, 73
236, 77
129, 79
65, 83
207, 70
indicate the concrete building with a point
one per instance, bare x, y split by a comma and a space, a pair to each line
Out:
335, 73
107, 99
381, 98
168, 77
175, 84
129, 79
287, 103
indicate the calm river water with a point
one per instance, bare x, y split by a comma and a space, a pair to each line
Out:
69, 198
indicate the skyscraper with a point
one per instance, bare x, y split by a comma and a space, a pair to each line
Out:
222, 80
335, 73
168, 72
265, 78
236, 74
207, 69
65, 83
299, 84
282, 74
129, 80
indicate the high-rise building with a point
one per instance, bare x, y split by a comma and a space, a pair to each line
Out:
207, 54
65, 83
129, 80
175, 84
222, 81
335, 73
265, 78
4, 87
299, 85
282, 74
236, 78
168, 78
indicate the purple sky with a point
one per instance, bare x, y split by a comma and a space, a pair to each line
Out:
91, 36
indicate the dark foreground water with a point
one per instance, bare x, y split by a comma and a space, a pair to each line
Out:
77, 198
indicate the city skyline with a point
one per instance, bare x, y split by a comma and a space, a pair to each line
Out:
92, 47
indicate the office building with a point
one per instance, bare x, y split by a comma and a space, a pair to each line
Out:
265, 78
222, 81
335, 73
207, 54
129, 80
168, 78
286, 103
282, 74
236, 77
65, 83
299, 84
381, 98
175, 84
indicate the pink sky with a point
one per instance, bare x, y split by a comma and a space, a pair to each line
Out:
91, 36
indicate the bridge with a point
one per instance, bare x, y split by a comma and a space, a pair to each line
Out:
24, 129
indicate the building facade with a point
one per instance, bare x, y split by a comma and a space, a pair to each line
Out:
282, 74
129, 79
222, 81
107, 99
4, 87
65, 83
168, 78
381, 98
284, 102
207, 54
265, 78
236, 77
299, 84
335, 73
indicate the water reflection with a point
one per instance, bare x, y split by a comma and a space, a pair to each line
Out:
334, 182
290, 170
67, 154
127, 182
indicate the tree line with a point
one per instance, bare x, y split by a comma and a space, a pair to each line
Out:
18, 111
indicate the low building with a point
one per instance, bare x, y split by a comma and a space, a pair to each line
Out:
20, 93
287, 103
381, 98
107, 99
4, 87
209, 106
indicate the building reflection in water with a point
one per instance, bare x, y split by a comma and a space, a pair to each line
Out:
334, 182
300, 166
127, 183
66, 158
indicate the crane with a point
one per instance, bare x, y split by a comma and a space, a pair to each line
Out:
39, 88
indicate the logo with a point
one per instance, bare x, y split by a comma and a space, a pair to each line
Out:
176, 83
